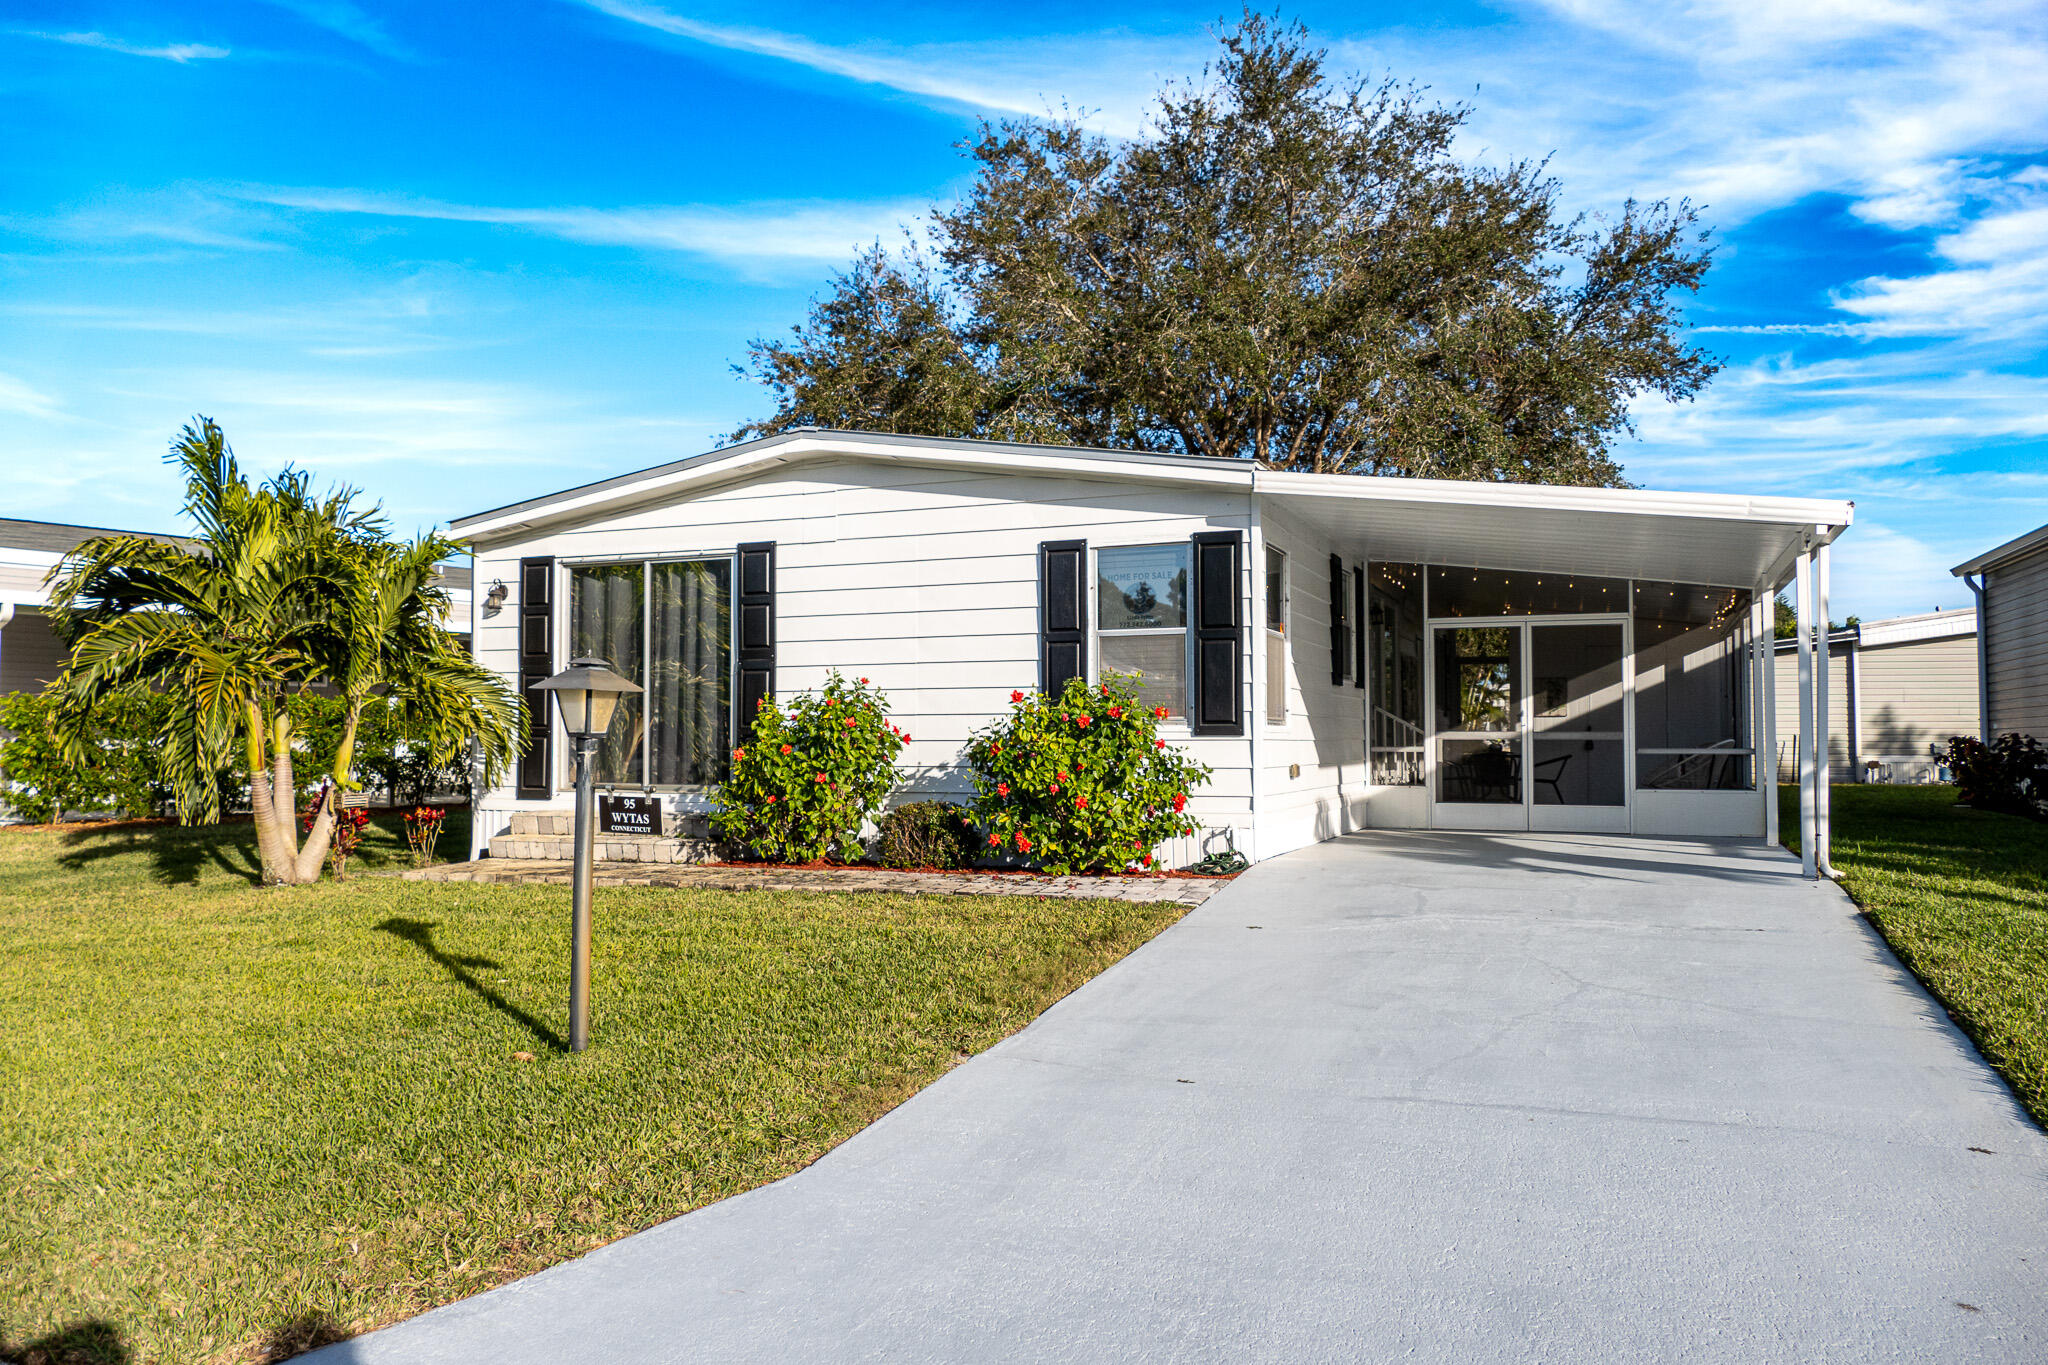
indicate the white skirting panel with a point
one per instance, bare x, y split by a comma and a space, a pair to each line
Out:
1701, 815
1397, 808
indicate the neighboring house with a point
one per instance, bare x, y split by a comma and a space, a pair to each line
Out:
2011, 583
31, 655
1904, 686
1342, 652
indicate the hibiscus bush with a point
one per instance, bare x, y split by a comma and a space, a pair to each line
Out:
1081, 781
814, 772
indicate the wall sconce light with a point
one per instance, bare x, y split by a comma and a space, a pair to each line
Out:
494, 600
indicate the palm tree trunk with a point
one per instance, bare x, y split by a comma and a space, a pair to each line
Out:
321, 836
262, 806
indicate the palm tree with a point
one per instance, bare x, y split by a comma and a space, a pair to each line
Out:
280, 591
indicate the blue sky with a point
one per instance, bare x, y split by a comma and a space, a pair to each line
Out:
460, 254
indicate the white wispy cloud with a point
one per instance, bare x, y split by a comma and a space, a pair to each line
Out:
348, 21
1112, 77
811, 234
169, 52
20, 397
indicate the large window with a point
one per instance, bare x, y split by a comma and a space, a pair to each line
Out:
1141, 616
1276, 636
667, 625
1692, 712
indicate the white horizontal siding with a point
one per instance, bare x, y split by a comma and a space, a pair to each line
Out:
1840, 766
925, 584
1324, 732
2016, 625
1912, 695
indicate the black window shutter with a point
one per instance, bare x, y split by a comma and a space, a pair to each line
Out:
1219, 634
757, 631
1358, 626
1340, 595
1062, 613
536, 663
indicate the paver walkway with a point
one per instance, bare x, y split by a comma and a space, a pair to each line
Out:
1415, 1097
739, 877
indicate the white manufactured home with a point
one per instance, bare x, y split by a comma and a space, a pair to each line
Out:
1345, 653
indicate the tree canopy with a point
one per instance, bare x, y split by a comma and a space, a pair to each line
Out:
1286, 266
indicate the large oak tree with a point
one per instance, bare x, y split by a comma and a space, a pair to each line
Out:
1286, 266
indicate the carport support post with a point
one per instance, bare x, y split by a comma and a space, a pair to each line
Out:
1802, 613
1822, 748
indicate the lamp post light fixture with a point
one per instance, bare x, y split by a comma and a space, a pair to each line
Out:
587, 691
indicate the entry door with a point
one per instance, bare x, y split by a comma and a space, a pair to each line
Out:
1578, 726
1530, 725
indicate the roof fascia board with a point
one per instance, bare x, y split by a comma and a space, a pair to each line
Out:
1827, 518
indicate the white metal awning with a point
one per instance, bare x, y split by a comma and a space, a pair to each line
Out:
1606, 532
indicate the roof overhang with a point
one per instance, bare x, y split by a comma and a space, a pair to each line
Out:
2036, 539
1614, 532
1714, 538
684, 478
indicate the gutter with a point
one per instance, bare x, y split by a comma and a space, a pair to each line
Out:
1982, 589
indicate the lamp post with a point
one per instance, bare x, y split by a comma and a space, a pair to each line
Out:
587, 691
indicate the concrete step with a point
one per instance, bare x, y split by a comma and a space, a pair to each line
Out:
528, 824
610, 848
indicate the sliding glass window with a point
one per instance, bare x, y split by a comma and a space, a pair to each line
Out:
666, 624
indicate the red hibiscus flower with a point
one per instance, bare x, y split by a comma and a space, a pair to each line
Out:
1148, 860
849, 722
995, 748
1055, 789
771, 800
1159, 744
1002, 789
1105, 689
1023, 844
1081, 721
1063, 777
1180, 801
785, 748
863, 679
1116, 713
1159, 711
906, 736
1081, 804
831, 701
995, 841
1016, 697
819, 776
739, 754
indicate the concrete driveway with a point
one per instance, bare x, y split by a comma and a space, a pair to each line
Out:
1418, 1097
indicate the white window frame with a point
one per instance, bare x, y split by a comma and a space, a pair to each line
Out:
564, 577
1178, 721
1276, 697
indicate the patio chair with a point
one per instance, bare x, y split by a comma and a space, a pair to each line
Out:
1554, 777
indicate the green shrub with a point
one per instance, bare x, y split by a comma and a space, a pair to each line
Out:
119, 775
392, 753
811, 776
1082, 781
925, 834
2009, 774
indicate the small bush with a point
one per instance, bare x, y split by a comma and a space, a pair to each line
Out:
925, 834
120, 772
812, 775
1081, 781
2009, 774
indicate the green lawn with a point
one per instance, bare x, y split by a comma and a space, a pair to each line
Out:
1962, 897
234, 1122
